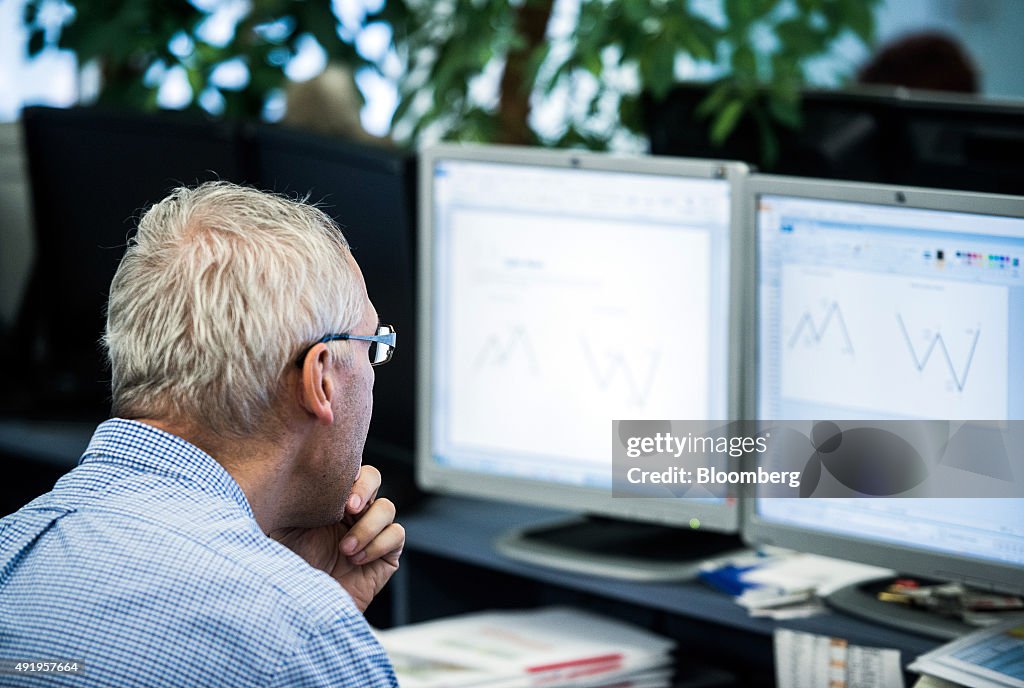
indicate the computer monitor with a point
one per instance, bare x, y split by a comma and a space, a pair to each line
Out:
843, 135
866, 133
93, 172
878, 303
370, 191
960, 143
559, 291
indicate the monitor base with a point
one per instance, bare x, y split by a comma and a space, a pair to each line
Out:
618, 549
860, 600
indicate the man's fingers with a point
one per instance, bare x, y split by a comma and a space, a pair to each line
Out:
371, 523
390, 541
364, 491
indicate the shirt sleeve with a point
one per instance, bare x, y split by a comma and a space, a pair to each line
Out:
345, 653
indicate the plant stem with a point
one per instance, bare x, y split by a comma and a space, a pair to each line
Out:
514, 108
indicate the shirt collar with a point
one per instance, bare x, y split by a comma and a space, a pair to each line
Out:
142, 446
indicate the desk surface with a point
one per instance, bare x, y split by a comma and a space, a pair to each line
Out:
57, 443
464, 529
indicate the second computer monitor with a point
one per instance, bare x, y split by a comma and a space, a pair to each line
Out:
888, 303
561, 291
881, 304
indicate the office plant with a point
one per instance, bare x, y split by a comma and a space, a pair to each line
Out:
134, 44
599, 58
613, 53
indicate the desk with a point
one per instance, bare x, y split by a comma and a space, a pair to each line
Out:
57, 443
449, 543
35, 454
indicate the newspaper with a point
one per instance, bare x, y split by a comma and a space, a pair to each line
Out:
539, 648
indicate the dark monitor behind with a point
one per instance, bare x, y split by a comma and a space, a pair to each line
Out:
871, 135
843, 136
370, 192
963, 143
92, 172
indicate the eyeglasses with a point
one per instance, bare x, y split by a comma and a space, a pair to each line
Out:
382, 344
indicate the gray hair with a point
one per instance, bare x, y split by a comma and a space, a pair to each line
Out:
219, 290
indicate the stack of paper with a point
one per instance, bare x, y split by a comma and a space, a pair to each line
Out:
550, 647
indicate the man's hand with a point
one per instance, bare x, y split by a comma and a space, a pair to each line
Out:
361, 552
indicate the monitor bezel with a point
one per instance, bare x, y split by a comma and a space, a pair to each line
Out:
981, 573
723, 517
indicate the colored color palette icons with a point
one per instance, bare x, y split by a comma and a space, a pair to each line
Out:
993, 260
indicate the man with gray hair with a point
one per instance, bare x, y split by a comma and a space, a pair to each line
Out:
220, 530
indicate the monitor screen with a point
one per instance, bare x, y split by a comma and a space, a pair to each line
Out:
93, 172
370, 193
875, 303
565, 291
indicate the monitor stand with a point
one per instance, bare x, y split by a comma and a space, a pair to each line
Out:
618, 549
861, 600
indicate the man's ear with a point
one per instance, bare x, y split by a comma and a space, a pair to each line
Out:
316, 386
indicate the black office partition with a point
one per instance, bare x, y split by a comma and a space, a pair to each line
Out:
875, 134
370, 192
965, 143
842, 136
92, 173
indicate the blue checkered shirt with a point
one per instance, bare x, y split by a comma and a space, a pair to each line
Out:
146, 566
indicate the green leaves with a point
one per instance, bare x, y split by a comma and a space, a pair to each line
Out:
786, 112
128, 37
764, 83
761, 48
444, 48
726, 121
631, 113
657, 66
318, 19
715, 100
740, 13
699, 38
799, 37
744, 63
618, 51
858, 16
534, 63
